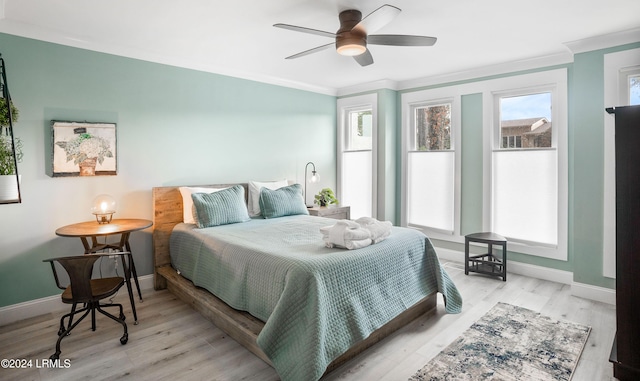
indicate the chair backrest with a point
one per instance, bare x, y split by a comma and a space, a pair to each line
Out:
79, 269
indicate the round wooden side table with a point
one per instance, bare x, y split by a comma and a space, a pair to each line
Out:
89, 232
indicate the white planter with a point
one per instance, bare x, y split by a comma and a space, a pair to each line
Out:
9, 188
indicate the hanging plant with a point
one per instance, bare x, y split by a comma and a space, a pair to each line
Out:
7, 166
4, 112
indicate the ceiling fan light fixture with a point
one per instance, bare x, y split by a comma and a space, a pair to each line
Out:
355, 34
351, 49
351, 44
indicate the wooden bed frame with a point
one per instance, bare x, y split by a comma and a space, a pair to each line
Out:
239, 325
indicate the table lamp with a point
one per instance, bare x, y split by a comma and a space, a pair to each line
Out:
315, 177
103, 208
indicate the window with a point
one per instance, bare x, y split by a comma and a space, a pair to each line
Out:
525, 121
634, 89
526, 153
432, 127
359, 130
525, 174
511, 141
356, 154
431, 166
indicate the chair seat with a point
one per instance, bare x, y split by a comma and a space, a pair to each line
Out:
100, 288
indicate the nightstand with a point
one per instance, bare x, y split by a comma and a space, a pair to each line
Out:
336, 212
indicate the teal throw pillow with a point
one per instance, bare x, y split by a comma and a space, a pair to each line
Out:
220, 208
285, 201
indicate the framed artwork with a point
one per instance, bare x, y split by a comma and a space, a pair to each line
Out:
84, 149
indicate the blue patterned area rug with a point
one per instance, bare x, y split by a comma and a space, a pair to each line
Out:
510, 343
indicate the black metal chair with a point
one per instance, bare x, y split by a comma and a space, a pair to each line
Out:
85, 291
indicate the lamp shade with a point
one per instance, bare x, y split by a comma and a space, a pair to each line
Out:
103, 208
315, 177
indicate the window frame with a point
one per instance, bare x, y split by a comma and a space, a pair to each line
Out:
554, 81
344, 107
624, 74
618, 66
425, 98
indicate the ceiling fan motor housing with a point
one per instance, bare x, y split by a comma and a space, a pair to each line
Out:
349, 41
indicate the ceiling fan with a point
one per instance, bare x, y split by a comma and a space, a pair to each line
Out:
354, 34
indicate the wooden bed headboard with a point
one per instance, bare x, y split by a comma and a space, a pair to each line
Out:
167, 213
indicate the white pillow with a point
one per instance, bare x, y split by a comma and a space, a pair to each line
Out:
187, 201
254, 193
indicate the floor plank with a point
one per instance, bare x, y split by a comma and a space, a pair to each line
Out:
172, 341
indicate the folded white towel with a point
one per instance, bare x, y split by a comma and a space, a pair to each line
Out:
355, 234
345, 234
349, 244
379, 230
349, 230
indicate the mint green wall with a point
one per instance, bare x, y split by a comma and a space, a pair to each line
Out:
174, 126
387, 143
587, 183
471, 141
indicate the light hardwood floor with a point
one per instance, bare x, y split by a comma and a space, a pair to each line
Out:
174, 342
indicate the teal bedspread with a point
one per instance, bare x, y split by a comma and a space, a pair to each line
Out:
316, 302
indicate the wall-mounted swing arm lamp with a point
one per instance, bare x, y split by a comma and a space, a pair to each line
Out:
9, 191
315, 177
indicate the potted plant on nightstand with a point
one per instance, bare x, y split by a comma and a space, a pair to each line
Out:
326, 197
8, 183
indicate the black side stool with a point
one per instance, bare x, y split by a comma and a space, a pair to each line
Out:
487, 263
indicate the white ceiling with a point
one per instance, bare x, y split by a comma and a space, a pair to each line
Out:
237, 37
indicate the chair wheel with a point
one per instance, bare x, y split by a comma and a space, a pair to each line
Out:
54, 356
124, 339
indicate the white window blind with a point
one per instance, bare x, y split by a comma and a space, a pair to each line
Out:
525, 195
431, 190
357, 172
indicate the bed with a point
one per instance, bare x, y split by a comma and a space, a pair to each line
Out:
280, 292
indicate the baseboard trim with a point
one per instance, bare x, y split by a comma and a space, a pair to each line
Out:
587, 291
16, 312
600, 294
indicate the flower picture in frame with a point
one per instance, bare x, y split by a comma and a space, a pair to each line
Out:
84, 149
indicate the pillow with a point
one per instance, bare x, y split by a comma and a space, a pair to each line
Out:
220, 208
285, 201
187, 202
254, 193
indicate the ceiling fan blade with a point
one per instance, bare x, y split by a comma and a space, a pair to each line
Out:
311, 51
364, 59
377, 19
401, 40
305, 30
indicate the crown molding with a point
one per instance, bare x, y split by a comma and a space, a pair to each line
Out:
604, 41
488, 71
367, 87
